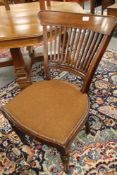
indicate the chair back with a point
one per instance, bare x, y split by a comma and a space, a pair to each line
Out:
44, 4
75, 42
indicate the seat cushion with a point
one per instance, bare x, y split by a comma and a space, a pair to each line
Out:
52, 110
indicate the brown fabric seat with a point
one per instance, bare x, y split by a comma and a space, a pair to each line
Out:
51, 118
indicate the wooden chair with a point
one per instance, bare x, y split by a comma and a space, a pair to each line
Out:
53, 111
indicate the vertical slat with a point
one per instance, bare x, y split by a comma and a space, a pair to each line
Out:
79, 48
83, 49
50, 43
93, 65
59, 43
88, 48
72, 45
90, 45
71, 40
96, 45
74, 50
67, 51
64, 39
55, 42
45, 38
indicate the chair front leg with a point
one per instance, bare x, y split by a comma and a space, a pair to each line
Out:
65, 160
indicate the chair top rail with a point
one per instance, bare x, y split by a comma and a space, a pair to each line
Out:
101, 24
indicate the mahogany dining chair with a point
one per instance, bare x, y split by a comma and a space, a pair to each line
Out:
53, 111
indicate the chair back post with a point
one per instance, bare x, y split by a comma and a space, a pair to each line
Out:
47, 77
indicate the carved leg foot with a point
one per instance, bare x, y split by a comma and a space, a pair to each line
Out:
21, 70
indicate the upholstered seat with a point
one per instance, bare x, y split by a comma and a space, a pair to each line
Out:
54, 114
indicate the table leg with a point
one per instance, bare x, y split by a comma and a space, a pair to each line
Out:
6, 3
92, 6
22, 73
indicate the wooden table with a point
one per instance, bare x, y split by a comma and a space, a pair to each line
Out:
112, 10
21, 27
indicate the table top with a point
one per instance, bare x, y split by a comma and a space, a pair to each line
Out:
114, 6
22, 19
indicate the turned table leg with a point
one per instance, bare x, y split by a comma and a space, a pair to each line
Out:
6, 3
22, 72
